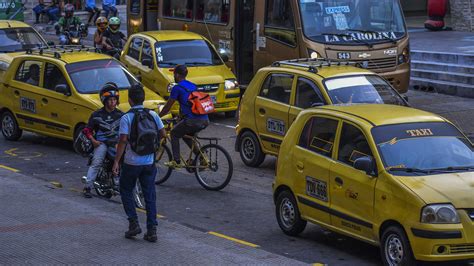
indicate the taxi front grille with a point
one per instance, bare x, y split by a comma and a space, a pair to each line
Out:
461, 248
208, 87
379, 63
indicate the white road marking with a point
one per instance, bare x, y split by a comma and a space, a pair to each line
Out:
224, 125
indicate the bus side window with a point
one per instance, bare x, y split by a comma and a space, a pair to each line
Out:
180, 9
213, 11
279, 22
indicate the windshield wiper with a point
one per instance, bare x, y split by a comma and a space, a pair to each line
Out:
373, 32
454, 168
167, 63
197, 63
408, 170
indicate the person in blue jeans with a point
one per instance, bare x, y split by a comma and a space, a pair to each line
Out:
137, 167
94, 11
51, 10
109, 7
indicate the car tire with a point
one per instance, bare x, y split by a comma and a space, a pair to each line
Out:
76, 134
250, 150
395, 248
230, 114
288, 214
10, 129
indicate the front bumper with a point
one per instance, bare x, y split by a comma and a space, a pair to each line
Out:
443, 242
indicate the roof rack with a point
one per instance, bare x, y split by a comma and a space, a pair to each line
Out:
312, 64
57, 50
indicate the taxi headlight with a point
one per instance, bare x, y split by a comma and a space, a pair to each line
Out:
439, 214
230, 84
170, 86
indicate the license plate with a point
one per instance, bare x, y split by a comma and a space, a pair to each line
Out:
316, 188
214, 99
276, 126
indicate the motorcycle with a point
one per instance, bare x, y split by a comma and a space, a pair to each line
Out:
75, 33
114, 52
106, 184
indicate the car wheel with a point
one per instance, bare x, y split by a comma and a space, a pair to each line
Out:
288, 214
250, 151
230, 114
395, 248
10, 128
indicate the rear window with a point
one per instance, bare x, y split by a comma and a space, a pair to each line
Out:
19, 39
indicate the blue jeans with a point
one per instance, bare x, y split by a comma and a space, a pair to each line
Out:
63, 39
128, 179
108, 9
99, 155
53, 14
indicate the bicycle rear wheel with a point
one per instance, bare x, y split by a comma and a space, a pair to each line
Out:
138, 196
163, 172
214, 167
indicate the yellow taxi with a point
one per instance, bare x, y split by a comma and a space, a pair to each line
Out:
152, 55
277, 94
15, 38
392, 176
53, 92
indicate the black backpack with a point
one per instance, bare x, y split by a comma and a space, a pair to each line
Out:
144, 137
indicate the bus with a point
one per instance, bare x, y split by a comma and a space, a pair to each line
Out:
256, 33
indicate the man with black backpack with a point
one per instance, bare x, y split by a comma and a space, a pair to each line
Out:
140, 133
194, 120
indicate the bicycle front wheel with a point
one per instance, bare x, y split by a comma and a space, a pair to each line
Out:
214, 167
163, 172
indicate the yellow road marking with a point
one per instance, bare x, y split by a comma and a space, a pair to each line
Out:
319, 264
159, 216
233, 239
9, 168
56, 184
11, 152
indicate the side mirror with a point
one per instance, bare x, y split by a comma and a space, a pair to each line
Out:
147, 62
224, 57
139, 78
62, 88
405, 97
366, 164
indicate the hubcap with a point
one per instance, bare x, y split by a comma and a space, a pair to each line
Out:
394, 250
8, 126
287, 213
248, 149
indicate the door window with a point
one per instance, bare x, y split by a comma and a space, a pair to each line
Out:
277, 87
279, 23
214, 11
135, 47
180, 9
307, 94
353, 145
318, 135
29, 72
53, 77
147, 52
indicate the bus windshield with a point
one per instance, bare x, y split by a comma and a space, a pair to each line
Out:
19, 39
352, 21
186, 52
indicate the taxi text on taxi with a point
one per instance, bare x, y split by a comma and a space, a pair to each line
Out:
392, 176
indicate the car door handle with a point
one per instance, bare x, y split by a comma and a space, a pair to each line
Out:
44, 101
300, 166
339, 181
261, 111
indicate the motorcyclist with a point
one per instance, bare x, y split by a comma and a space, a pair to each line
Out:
102, 23
65, 23
113, 38
102, 129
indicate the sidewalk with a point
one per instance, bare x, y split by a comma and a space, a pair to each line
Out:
456, 42
41, 224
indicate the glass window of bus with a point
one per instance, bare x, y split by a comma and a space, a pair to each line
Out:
180, 9
135, 7
213, 11
352, 21
186, 52
279, 23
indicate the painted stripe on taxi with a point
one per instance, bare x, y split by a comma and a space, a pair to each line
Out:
36, 120
436, 234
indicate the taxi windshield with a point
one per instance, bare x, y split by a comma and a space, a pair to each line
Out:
362, 89
19, 39
88, 77
352, 21
423, 148
186, 52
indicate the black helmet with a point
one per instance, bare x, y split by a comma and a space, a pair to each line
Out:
110, 89
83, 145
68, 10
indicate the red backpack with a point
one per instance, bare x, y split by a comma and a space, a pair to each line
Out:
201, 103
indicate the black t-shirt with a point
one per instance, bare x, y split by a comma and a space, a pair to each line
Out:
105, 124
115, 38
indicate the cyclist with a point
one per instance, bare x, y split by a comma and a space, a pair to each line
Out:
101, 24
66, 22
191, 123
113, 37
102, 128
